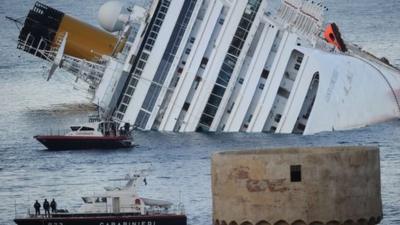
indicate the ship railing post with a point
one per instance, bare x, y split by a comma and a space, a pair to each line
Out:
37, 48
26, 40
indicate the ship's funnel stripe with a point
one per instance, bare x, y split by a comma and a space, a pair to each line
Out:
85, 41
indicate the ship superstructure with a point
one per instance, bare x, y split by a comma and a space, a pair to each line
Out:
231, 66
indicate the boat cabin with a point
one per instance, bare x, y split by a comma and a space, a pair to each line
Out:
124, 204
103, 128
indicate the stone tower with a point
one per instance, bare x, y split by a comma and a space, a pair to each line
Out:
297, 186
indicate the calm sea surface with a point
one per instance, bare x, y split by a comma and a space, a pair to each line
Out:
180, 162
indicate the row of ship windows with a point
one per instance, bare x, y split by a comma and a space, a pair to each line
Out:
143, 58
234, 51
169, 55
152, 36
187, 51
142, 119
265, 73
211, 107
229, 64
225, 74
156, 26
215, 99
281, 92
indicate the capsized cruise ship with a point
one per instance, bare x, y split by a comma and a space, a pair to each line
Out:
218, 66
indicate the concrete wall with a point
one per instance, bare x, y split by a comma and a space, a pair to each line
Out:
339, 185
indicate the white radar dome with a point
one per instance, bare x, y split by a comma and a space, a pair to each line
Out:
110, 16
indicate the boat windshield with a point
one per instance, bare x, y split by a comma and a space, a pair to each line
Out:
87, 129
75, 128
90, 200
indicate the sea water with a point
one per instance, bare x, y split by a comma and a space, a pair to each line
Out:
179, 163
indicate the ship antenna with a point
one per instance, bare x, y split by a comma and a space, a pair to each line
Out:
17, 21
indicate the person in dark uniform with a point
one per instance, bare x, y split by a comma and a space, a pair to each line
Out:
126, 128
37, 208
53, 206
46, 207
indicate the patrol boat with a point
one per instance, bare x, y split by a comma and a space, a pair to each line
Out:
118, 205
97, 134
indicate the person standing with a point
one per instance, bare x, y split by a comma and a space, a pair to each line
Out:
37, 208
46, 207
53, 206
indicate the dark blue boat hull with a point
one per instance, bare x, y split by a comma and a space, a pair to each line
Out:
106, 220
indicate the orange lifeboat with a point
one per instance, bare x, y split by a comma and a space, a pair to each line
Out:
333, 36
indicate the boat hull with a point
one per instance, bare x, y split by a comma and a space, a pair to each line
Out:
105, 220
55, 142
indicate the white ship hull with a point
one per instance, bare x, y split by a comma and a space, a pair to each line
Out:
352, 93
230, 66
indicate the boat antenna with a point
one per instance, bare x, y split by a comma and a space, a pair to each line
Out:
180, 204
15, 208
98, 108
180, 196
29, 200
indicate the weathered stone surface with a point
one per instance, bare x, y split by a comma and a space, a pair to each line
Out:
339, 185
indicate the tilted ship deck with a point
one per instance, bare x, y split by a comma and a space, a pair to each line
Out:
216, 65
